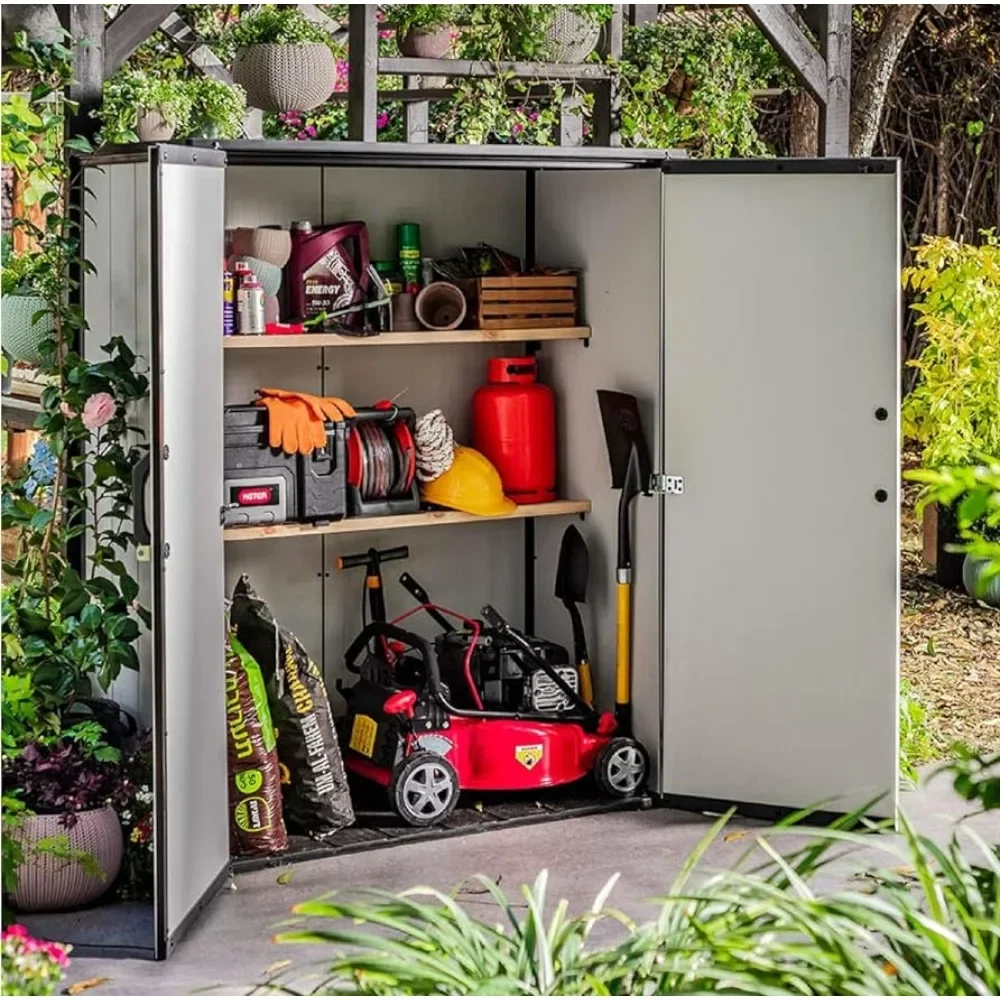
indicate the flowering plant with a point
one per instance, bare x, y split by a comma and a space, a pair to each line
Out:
31, 968
65, 777
135, 881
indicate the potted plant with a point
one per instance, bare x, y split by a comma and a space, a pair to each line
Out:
68, 833
423, 31
282, 60
140, 107
31, 968
24, 312
953, 411
217, 109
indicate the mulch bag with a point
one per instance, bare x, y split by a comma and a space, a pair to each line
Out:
316, 797
255, 823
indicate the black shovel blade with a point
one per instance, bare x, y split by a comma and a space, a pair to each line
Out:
623, 432
573, 568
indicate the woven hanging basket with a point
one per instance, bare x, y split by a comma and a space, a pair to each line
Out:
571, 36
279, 78
152, 125
46, 883
21, 337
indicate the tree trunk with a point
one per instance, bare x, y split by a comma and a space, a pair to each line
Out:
803, 139
872, 81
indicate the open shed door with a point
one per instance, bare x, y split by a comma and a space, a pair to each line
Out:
780, 402
192, 838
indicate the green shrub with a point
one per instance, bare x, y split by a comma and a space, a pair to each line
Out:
916, 746
128, 95
931, 925
217, 108
406, 17
272, 25
954, 410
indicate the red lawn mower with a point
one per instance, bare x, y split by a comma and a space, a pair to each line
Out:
500, 717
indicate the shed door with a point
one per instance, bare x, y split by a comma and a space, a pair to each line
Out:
781, 556
189, 684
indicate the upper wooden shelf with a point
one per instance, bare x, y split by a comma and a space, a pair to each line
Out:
417, 337
424, 518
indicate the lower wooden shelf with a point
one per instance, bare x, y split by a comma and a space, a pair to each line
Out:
425, 518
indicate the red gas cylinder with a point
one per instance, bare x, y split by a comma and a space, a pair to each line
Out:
514, 426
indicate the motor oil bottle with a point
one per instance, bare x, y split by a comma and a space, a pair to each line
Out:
327, 274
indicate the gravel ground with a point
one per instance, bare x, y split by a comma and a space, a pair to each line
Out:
950, 650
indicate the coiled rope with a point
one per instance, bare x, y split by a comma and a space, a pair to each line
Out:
435, 446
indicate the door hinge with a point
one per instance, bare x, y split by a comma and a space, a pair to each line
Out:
660, 483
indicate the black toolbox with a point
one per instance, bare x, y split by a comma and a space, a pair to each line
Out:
263, 485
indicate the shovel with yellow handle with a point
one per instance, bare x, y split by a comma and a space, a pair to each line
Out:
631, 472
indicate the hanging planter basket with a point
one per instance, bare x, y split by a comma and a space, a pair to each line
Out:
972, 573
276, 78
427, 43
152, 125
21, 336
571, 36
46, 883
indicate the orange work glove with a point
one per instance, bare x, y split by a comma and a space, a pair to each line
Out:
291, 428
296, 420
322, 407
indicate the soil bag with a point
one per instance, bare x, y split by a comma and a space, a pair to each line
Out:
255, 823
314, 785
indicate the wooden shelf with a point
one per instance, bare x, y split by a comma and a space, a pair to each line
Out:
416, 338
426, 518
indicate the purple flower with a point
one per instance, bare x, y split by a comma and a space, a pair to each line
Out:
518, 128
382, 120
310, 131
340, 80
533, 117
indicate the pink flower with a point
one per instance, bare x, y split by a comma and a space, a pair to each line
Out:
56, 952
340, 81
311, 131
98, 410
16, 931
382, 120
517, 128
385, 32
533, 117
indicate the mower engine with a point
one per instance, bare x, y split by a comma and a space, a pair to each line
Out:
504, 680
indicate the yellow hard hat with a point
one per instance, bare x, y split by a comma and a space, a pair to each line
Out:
472, 485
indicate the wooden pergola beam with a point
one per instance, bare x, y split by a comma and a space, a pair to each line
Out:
133, 25
780, 29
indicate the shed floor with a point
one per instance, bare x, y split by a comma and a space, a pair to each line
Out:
230, 947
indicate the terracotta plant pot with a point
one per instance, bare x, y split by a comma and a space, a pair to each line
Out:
21, 337
571, 36
441, 306
151, 125
46, 883
972, 572
271, 245
427, 43
279, 78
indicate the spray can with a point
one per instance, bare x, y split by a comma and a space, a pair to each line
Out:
241, 271
228, 304
408, 244
250, 305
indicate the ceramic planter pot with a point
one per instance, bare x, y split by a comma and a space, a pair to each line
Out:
21, 336
151, 125
571, 36
285, 77
972, 572
46, 883
426, 43
271, 245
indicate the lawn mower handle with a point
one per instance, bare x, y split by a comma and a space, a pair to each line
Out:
495, 620
386, 630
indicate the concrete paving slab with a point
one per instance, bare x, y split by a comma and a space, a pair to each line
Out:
231, 946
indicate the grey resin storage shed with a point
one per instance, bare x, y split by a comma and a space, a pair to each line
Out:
752, 306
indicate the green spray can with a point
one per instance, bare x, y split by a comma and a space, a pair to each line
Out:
408, 244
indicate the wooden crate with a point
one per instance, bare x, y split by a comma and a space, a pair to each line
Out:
526, 302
